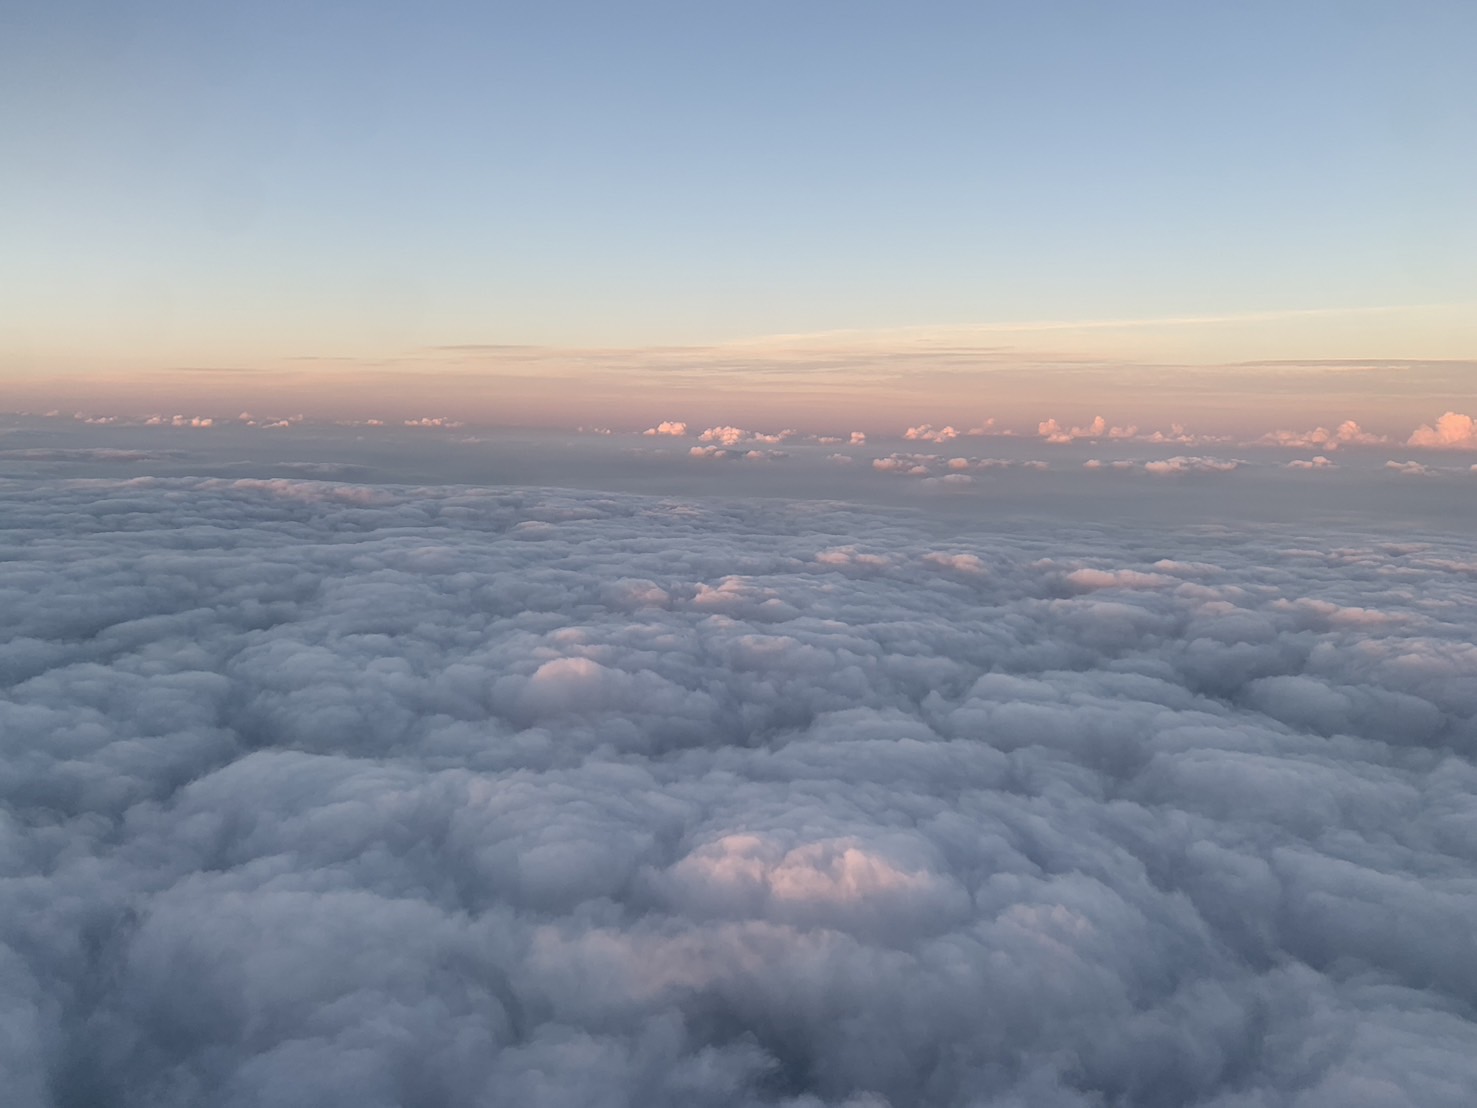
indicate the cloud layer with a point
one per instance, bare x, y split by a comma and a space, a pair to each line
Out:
320, 794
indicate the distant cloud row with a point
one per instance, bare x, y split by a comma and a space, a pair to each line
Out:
1452, 431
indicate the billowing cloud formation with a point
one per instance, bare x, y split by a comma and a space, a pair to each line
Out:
1452, 430
1054, 432
926, 432
1347, 433
321, 794
728, 436
667, 427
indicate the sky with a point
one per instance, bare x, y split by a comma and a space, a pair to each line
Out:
814, 214
773, 555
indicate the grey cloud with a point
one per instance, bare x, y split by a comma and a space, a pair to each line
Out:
356, 794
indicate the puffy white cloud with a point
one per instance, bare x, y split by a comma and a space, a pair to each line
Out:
858, 438
1318, 461
671, 427
327, 794
1452, 430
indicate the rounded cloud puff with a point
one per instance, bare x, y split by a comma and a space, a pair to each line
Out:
317, 794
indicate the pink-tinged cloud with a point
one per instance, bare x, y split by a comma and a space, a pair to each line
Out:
1316, 462
1453, 430
926, 432
1053, 432
176, 421
1177, 435
728, 436
858, 438
1348, 433
673, 427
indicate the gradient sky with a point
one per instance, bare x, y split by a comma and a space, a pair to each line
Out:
349, 206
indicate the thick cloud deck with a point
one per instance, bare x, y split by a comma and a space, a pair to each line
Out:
320, 795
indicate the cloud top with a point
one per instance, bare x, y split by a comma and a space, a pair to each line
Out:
326, 794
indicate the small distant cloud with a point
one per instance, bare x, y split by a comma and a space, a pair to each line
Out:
910, 465
1347, 433
1316, 462
1410, 469
1453, 430
728, 436
733, 436
1183, 464
673, 427
1177, 435
840, 459
1053, 432
179, 421
858, 438
434, 421
950, 480
926, 432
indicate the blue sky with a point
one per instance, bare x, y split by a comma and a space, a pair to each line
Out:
229, 184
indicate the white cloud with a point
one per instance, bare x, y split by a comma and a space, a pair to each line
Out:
1318, 461
671, 427
1410, 469
167, 421
1183, 464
